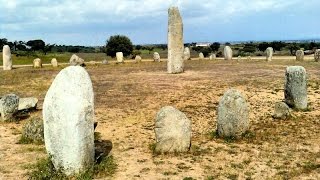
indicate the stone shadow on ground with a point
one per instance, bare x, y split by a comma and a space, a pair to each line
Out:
102, 149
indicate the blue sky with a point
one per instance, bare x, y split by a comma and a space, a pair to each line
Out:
91, 22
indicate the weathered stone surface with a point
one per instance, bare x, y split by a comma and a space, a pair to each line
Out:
68, 112
9, 106
227, 53
186, 54
156, 57
299, 55
138, 58
239, 58
33, 131
317, 55
281, 110
54, 62
119, 56
175, 63
201, 56
27, 103
269, 52
173, 131
76, 61
296, 87
105, 62
37, 63
7, 61
233, 114
213, 57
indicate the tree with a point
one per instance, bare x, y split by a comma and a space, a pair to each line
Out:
263, 46
215, 46
293, 47
36, 45
119, 43
138, 47
206, 51
250, 48
48, 48
277, 45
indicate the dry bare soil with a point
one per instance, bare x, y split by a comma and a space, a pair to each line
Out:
128, 96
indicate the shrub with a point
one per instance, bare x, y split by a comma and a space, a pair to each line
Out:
119, 43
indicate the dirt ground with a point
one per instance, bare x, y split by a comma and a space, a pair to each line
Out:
128, 96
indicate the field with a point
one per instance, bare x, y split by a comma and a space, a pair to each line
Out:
128, 96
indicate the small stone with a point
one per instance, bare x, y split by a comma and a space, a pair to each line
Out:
119, 56
105, 62
300, 55
233, 114
7, 61
239, 58
281, 111
27, 103
296, 88
9, 106
33, 131
156, 57
317, 55
138, 59
213, 57
172, 130
249, 58
54, 62
269, 52
76, 61
227, 53
37, 63
186, 54
201, 56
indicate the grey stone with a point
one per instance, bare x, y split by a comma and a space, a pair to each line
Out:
186, 54
68, 114
233, 114
33, 131
175, 63
7, 61
201, 56
76, 61
138, 58
317, 55
281, 111
156, 57
37, 63
27, 103
172, 130
269, 52
119, 56
213, 57
9, 106
299, 55
227, 53
296, 87
239, 58
54, 62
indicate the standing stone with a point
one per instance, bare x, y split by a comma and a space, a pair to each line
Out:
269, 52
186, 54
233, 114
175, 62
227, 53
173, 131
54, 62
119, 56
300, 55
156, 57
317, 55
296, 87
249, 58
213, 57
138, 58
37, 63
9, 106
7, 61
239, 58
201, 56
68, 113
76, 61
27, 103
105, 62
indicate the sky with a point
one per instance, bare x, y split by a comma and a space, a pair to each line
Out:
92, 22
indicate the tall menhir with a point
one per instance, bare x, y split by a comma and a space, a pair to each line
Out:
175, 42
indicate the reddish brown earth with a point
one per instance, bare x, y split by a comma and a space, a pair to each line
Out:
128, 96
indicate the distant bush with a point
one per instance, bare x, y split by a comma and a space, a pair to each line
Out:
119, 43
